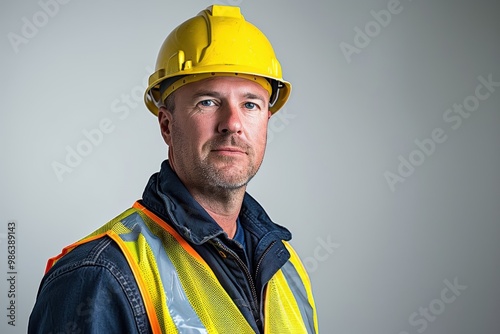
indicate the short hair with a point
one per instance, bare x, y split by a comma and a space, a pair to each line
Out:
169, 103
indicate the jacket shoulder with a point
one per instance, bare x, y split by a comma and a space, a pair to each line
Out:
90, 289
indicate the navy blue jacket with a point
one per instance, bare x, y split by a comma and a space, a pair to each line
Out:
92, 289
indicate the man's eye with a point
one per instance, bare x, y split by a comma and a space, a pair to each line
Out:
207, 103
250, 105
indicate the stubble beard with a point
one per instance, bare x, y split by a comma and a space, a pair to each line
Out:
215, 175
222, 174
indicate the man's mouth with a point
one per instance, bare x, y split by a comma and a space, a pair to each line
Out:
229, 150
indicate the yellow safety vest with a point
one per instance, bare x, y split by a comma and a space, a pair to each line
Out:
181, 292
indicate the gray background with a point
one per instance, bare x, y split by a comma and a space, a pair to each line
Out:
389, 251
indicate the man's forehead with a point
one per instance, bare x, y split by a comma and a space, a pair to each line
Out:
222, 86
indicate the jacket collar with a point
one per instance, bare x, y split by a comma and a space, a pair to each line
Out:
167, 196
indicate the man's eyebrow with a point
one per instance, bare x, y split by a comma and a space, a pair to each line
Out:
211, 93
218, 95
253, 96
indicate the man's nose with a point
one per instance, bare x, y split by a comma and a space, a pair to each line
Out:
230, 119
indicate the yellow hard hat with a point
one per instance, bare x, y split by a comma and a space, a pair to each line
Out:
216, 42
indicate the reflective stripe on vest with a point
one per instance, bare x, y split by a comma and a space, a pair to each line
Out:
182, 294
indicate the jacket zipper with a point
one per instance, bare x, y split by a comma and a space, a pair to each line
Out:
245, 270
261, 306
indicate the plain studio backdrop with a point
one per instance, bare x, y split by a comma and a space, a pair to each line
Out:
384, 163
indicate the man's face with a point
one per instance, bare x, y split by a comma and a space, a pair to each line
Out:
217, 132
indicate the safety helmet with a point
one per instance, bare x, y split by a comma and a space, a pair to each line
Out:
216, 42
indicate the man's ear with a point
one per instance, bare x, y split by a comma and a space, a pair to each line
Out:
165, 120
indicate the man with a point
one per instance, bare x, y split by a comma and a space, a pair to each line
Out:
196, 254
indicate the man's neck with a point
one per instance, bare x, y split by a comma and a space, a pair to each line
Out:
223, 206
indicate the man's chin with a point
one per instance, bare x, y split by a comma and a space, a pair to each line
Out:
228, 174
230, 182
